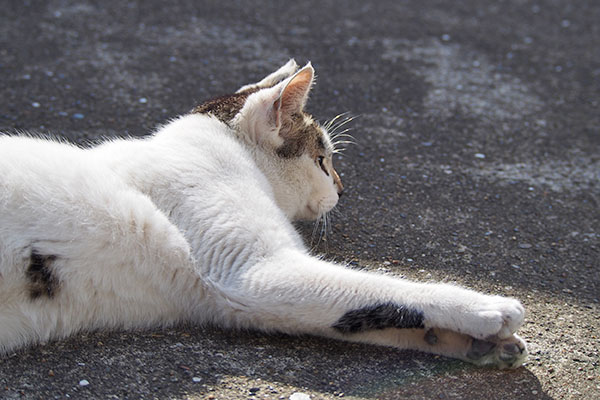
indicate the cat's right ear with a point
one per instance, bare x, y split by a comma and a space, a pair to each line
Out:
284, 72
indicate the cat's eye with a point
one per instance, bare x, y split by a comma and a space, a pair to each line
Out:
320, 161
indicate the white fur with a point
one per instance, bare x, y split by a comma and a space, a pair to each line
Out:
193, 224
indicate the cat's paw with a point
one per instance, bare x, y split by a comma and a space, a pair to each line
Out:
510, 352
493, 317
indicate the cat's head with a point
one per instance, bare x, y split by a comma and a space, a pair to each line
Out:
292, 150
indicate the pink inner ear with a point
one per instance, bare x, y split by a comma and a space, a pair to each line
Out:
296, 92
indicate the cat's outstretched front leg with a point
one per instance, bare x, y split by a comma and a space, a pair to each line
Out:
296, 293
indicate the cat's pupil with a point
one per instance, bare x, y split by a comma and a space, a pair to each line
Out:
320, 160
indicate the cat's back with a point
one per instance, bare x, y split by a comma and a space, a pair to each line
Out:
46, 180
24, 160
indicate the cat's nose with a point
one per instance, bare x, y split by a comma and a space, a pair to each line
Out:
340, 193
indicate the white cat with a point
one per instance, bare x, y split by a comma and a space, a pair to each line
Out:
193, 224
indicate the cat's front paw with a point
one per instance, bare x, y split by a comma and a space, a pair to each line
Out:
510, 352
493, 317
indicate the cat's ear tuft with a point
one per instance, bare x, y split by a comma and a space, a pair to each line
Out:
284, 72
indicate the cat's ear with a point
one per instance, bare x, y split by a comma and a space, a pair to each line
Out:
295, 91
285, 71
265, 111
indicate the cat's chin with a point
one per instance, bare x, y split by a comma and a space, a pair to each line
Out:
308, 214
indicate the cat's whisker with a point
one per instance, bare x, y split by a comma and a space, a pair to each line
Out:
343, 133
338, 142
314, 234
344, 137
325, 226
340, 124
329, 123
341, 118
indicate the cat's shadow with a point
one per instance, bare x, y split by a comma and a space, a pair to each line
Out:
187, 361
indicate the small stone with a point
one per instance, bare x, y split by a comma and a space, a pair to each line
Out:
195, 379
299, 396
83, 382
479, 155
78, 116
253, 390
445, 37
524, 246
143, 100
35, 104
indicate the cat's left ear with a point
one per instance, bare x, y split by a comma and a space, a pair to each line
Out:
294, 92
263, 113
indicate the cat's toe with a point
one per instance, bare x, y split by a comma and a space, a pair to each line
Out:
499, 317
512, 351
513, 315
505, 353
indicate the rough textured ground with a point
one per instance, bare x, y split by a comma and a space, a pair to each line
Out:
477, 162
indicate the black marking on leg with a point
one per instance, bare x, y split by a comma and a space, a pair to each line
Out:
430, 337
42, 281
480, 348
380, 316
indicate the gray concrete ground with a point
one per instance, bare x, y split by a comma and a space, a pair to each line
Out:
477, 162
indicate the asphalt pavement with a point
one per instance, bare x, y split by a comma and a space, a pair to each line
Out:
476, 161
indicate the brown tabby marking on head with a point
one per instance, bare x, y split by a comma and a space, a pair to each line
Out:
300, 134
225, 108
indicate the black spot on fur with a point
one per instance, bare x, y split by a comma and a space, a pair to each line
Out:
42, 281
430, 337
380, 316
